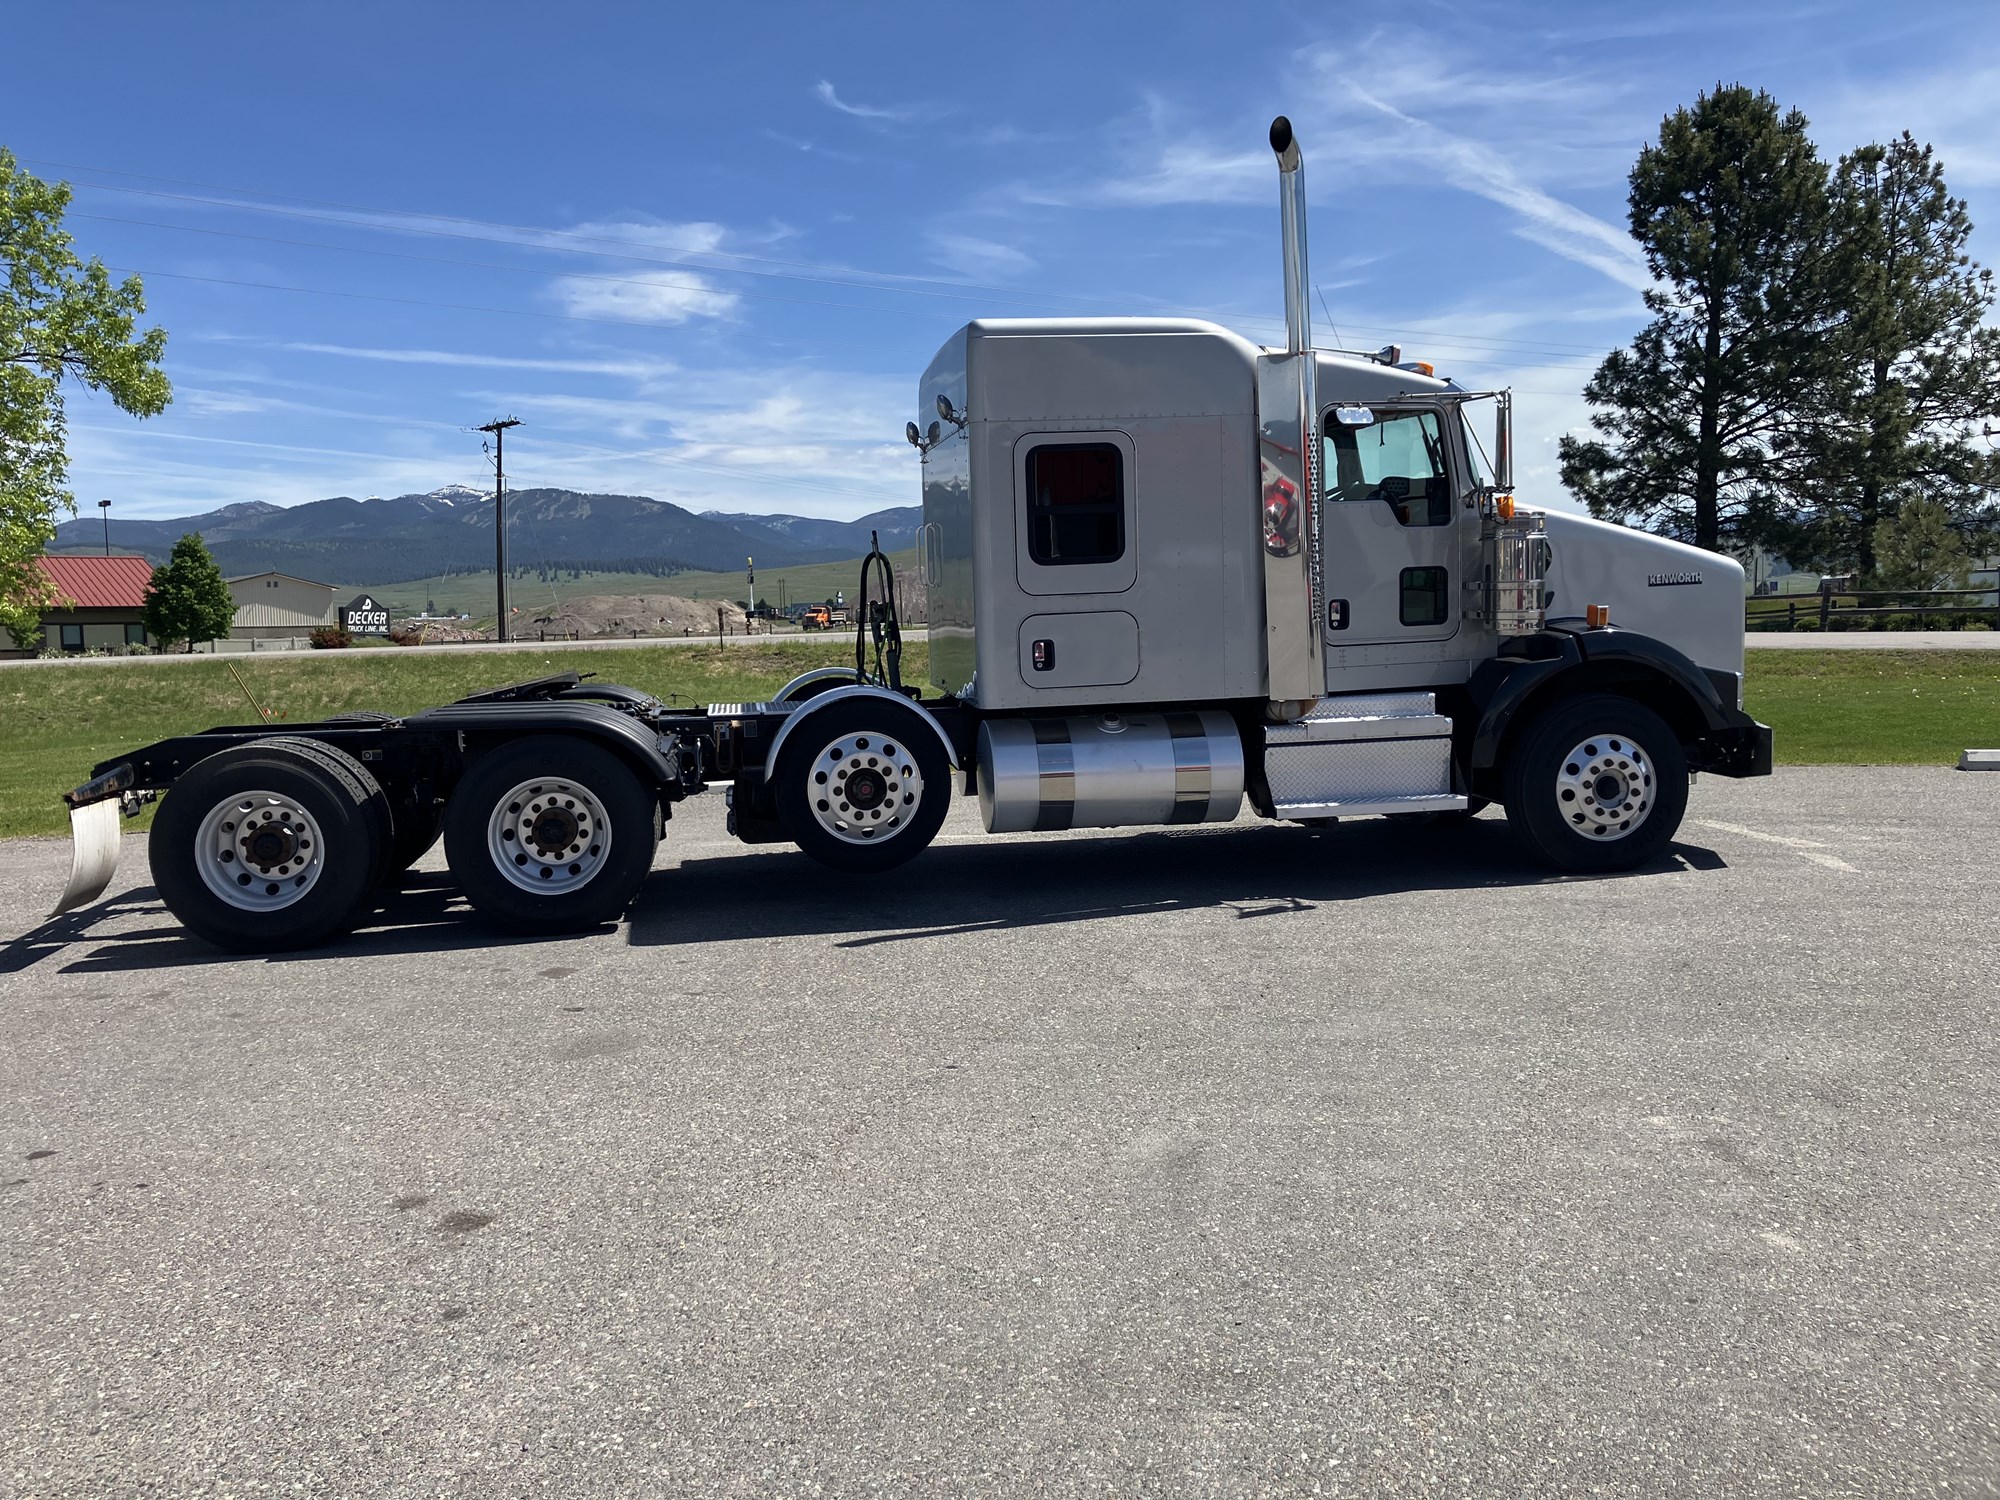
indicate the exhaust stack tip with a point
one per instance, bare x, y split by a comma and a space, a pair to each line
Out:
1283, 143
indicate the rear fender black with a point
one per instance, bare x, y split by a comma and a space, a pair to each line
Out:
492, 723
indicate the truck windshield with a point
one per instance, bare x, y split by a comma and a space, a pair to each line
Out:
1400, 459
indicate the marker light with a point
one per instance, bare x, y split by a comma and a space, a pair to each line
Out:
1597, 616
1503, 506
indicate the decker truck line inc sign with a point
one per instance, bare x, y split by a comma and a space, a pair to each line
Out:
363, 616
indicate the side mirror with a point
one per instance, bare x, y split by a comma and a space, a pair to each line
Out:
1503, 441
916, 438
936, 431
944, 407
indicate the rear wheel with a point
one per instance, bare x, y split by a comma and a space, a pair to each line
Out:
862, 784
551, 834
267, 847
1599, 783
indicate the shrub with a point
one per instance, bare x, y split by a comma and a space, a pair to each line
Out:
331, 638
404, 636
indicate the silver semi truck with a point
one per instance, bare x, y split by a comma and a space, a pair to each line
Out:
1168, 571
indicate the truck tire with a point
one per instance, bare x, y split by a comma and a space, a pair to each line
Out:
862, 784
342, 764
266, 848
551, 834
1598, 783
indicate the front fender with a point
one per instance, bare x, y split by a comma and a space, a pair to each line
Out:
1700, 707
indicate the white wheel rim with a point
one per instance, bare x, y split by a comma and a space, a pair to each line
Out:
865, 788
259, 851
1606, 788
549, 835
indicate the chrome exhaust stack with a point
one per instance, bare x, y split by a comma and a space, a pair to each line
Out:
1292, 227
1289, 465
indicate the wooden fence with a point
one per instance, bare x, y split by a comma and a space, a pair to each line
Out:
1911, 609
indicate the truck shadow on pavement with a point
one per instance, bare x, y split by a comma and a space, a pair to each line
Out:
953, 889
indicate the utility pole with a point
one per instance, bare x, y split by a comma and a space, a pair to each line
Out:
104, 510
499, 431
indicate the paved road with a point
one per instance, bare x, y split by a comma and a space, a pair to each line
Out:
1211, 1162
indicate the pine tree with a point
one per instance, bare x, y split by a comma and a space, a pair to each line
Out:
1919, 549
1730, 209
1909, 371
187, 599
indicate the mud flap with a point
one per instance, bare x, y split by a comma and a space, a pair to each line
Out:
94, 842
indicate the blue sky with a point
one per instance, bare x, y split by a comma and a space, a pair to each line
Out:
704, 253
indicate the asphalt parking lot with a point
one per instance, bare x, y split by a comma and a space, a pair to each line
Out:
1366, 1161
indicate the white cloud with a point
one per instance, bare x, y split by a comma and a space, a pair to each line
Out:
656, 297
1956, 110
825, 94
1189, 171
630, 368
972, 256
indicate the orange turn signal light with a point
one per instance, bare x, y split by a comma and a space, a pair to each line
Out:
1597, 616
1423, 367
1503, 506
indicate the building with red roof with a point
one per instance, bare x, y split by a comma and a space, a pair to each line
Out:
102, 599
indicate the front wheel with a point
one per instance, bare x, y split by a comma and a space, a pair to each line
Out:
862, 784
1599, 783
550, 834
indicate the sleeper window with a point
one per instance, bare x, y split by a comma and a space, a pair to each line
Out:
1076, 504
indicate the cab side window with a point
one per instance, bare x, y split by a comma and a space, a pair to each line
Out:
1398, 461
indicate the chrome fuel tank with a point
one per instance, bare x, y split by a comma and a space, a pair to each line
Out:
1109, 771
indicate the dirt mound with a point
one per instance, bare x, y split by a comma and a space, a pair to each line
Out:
596, 615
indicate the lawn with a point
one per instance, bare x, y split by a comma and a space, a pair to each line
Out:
1838, 707
1876, 707
57, 722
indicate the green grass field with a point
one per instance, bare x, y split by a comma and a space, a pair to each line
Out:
1875, 707
473, 592
1828, 707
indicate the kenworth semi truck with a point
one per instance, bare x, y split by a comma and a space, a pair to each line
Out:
1168, 571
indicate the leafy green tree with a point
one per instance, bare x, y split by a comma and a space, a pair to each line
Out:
1920, 549
1693, 420
1909, 371
188, 600
60, 319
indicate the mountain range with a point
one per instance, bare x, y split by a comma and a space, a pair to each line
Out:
450, 530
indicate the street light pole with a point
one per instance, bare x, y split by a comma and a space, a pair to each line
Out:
104, 510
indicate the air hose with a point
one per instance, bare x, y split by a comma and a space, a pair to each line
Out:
878, 620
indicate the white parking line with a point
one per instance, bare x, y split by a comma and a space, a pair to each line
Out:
1803, 848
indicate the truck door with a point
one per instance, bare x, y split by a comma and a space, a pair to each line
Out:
1387, 529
